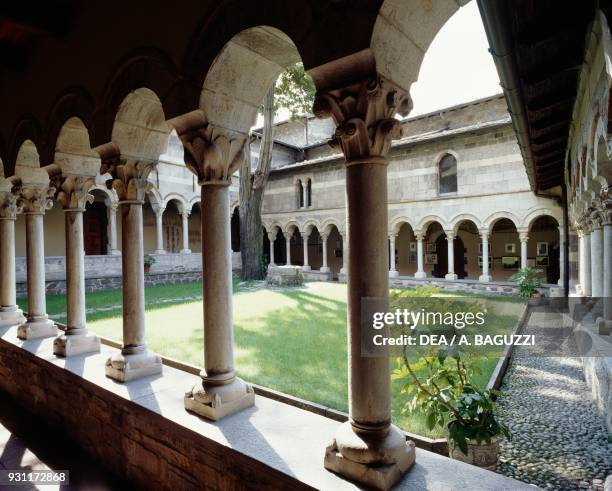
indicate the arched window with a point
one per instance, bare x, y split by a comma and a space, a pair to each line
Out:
309, 193
299, 188
447, 174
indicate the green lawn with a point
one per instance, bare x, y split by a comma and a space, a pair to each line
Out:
291, 340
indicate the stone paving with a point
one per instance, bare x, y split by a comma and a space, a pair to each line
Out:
559, 441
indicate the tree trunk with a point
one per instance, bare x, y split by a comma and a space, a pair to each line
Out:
252, 187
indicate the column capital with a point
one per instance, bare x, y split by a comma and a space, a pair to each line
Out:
287, 235
213, 154
605, 207
272, 236
450, 235
36, 199
393, 235
305, 235
363, 113
419, 235
185, 214
9, 207
523, 236
130, 179
74, 192
158, 210
324, 236
484, 234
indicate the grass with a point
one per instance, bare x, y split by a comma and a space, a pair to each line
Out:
291, 340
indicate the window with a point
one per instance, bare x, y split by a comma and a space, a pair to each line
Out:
309, 193
299, 189
447, 174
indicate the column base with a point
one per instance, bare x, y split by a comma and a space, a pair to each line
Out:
324, 269
114, 252
485, 278
124, 368
12, 316
420, 275
377, 463
185, 251
43, 328
450, 276
393, 273
67, 345
306, 268
604, 327
217, 401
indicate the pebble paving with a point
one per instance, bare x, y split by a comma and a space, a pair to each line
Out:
559, 441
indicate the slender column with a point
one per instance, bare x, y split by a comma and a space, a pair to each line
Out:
597, 260
524, 238
272, 238
112, 230
450, 239
186, 250
288, 236
420, 269
35, 201
604, 323
76, 340
324, 267
159, 229
587, 263
485, 276
561, 256
580, 286
343, 269
214, 155
392, 271
305, 236
134, 360
10, 313
367, 448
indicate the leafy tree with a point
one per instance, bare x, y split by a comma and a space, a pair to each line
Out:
294, 92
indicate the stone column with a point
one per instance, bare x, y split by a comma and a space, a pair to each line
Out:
450, 239
392, 271
214, 155
324, 267
580, 285
561, 255
420, 269
35, 200
344, 254
367, 448
587, 262
288, 236
305, 236
112, 230
485, 277
604, 323
186, 250
10, 313
524, 239
134, 360
159, 229
272, 238
74, 196
596, 255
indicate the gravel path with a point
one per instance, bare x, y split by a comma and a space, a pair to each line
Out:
559, 440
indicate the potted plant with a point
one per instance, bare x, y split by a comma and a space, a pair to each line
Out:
449, 400
528, 281
148, 262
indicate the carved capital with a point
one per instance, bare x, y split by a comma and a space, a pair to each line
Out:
74, 192
9, 207
595, 215
606, 205
36, 199
158, 210
272, 236
129, 179
212, 154
364, 116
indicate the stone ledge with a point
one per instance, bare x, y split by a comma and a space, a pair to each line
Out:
142, 430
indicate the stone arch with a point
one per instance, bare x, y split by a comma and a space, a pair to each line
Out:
291, 226
533, 215
73, 152
154, 195
397, 222
309, 225
235, 204
177, 198
455, 222
328, 223
27, 131
489, 222
196, 200
428, 220
110, 195
140, 129
242, 73
27, 155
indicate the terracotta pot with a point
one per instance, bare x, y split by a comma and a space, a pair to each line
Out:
484, 455
147, 269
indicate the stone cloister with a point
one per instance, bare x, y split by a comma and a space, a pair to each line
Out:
98, 123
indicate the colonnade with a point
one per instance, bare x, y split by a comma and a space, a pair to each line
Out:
594, 229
